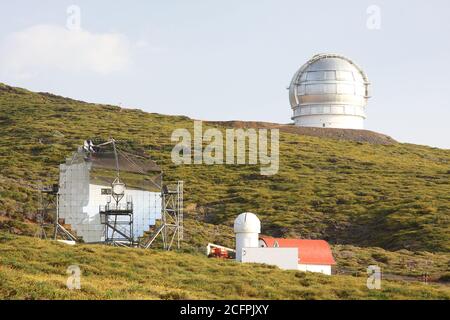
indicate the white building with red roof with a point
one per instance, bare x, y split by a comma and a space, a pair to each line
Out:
313, 255
288, 254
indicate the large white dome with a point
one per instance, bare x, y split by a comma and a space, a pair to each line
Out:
330, 90
247, 222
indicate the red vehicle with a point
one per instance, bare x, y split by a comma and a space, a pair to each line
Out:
219, 253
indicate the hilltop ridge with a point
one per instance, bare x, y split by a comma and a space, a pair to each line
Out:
333, 133
353, 187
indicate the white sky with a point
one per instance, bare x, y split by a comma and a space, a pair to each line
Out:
232, 60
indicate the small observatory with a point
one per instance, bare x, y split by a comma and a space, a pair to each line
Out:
247, 228
288, 254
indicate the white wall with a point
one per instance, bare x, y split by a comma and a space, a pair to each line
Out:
279, 257
284, 258
325, 269
245, 240
330, 121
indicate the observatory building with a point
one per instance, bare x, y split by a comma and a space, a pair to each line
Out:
329, 91
288, 254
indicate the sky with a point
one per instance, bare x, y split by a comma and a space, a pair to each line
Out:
234, 59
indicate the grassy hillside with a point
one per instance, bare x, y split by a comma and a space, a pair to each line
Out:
394, 196
36, 269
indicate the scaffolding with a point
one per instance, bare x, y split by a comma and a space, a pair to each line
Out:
60, 231
47, 198
118, 220
171, 229
117, 217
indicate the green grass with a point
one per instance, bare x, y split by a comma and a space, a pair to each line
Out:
404, 263
36, 269
391, 196
376, 204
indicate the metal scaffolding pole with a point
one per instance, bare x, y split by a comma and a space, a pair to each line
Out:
171, 228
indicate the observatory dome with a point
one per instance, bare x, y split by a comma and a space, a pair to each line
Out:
247, 223
329, 91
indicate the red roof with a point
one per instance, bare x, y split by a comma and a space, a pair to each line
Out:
309, 251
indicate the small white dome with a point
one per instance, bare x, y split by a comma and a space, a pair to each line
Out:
247, 222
